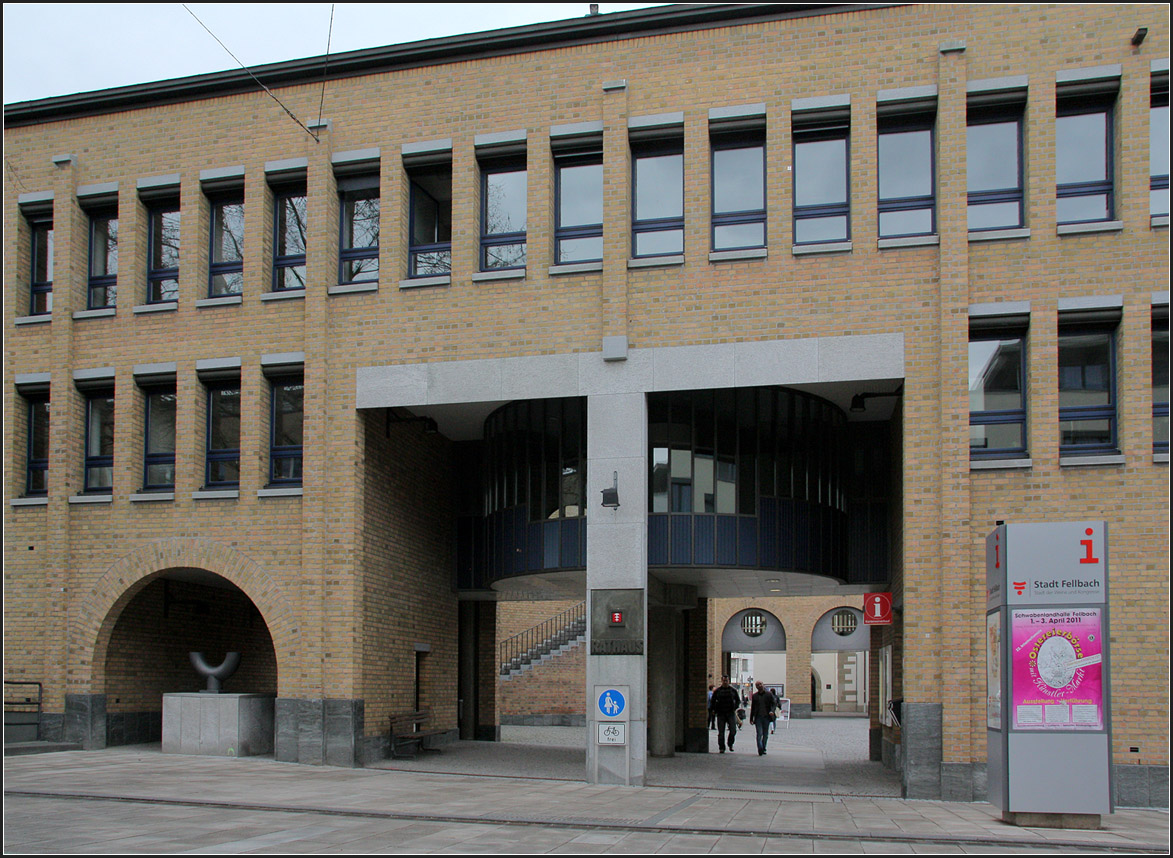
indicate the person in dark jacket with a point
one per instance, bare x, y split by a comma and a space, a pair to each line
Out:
724, 705
761, 715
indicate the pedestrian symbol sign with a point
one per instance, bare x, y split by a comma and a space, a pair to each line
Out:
611, 703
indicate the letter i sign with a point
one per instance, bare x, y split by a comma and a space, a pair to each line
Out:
877, 609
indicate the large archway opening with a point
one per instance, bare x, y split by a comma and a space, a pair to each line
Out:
840, 646
753, 649
176, 612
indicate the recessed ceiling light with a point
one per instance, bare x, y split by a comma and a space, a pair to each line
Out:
773, 580
775, 590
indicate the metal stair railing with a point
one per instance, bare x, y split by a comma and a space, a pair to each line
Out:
22, 710
540, 640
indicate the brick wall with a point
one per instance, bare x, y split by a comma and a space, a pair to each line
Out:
348, 576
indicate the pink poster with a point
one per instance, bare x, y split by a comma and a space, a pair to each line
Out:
1056, 671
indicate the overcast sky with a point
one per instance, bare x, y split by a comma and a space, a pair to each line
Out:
62, 48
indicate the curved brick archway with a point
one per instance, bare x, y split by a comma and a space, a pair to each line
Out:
125, 578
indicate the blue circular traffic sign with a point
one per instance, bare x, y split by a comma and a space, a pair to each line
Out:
611, 703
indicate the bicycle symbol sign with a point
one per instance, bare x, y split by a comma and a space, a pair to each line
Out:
614, 733
611, 703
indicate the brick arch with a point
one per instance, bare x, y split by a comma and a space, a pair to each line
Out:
127, 576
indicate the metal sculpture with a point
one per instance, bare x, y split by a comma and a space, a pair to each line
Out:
215, 675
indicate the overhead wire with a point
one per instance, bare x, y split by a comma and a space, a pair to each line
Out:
254, 77
326, 64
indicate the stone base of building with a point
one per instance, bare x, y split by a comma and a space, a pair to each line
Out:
218, 725
963, 781
84, 722
1140, 786
134, 728
320, 732
800, 710
921, 750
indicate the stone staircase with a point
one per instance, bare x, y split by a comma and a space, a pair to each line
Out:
548, 639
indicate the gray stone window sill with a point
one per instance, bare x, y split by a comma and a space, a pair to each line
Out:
1084, 228
100, 313
353, 288
908, 241
575, 268
91, 498
507, 274
1088, 461
420, 282
162, 307
1000, 464
220, 301
146, 497
284, 295
218, 494
41, 319
829, 247
1158, 220
37, 501
656, 261
285, 492
734, 255
999, 234
1158, 459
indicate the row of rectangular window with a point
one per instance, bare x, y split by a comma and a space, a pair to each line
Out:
222, 449
821, 205
1087, 391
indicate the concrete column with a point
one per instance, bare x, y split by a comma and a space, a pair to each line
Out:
662, 685
617, 560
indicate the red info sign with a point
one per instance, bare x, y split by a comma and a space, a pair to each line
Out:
877, 609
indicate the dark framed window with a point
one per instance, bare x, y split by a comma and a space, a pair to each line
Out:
739, 191
1087, 390
578, 226
289, 232
163, 226
821, 206
41, 278
907, 184
358, 255
99, 450
1159, 152
657, 224
993, 148
430, 215
503, 216
226, 262
1083, 160
287, 395
997, 394
223, 446
1161, 385
159, 440
103, 272
37, 461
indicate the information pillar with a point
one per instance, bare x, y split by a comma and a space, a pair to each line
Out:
1048, 712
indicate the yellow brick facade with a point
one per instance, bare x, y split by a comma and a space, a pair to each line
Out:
352, 577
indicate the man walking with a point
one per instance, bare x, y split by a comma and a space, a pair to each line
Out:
724, 705
761, 715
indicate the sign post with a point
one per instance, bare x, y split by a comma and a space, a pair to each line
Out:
1048, 713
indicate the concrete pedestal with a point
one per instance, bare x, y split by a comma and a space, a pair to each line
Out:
219, 725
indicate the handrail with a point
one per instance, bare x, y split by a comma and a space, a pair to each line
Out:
23, 702
541, 638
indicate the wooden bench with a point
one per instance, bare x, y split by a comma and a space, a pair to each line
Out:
408, 732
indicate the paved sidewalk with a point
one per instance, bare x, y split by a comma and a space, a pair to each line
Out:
137, 799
